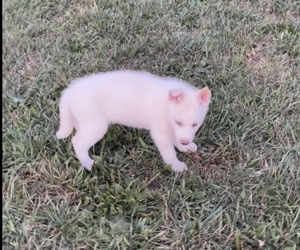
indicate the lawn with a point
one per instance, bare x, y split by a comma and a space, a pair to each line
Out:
242, 187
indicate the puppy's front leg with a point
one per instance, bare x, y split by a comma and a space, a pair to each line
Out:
191, 147
165, 146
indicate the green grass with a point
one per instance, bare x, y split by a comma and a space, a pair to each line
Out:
242, 189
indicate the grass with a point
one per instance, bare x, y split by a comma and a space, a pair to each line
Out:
242, 189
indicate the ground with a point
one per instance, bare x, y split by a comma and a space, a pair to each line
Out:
242, 188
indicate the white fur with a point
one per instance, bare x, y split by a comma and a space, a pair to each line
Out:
167, 107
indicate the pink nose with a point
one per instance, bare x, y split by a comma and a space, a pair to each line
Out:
184, 142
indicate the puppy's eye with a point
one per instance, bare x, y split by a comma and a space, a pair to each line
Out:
195, 125
179, 123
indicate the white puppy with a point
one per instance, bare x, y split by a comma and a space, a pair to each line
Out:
169, 108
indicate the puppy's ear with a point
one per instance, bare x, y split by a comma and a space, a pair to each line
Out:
204, 95
175, 95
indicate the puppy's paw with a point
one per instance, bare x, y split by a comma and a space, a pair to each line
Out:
192, 147
88, 163
179, 167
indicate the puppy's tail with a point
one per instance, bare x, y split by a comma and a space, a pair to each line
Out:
66, 118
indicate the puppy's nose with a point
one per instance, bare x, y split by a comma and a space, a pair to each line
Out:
184, 142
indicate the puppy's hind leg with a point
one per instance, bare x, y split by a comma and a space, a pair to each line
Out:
87, 135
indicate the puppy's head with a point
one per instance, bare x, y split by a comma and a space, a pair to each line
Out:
187, 110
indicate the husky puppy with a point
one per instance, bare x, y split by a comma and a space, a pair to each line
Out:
171, 109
